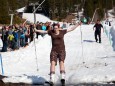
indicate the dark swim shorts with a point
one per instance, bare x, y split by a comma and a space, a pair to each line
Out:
54, 56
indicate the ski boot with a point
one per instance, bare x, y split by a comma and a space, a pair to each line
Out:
63, 79
52, 79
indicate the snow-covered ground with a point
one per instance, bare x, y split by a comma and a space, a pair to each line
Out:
86, 61
39, 17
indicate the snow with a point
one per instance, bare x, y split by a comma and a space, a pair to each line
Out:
20, 10
20, 65
39, 17
30, 16
86, 61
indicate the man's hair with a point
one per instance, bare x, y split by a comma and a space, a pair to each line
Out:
98, 20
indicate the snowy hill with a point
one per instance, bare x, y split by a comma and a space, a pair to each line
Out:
86, 61
39, 17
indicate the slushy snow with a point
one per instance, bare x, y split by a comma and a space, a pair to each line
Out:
86, 61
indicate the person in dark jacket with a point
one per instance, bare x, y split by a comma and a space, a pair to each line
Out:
38, 27
4, 39
97, 27
31, 28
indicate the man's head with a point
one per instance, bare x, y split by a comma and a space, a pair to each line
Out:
56, 27
98, 21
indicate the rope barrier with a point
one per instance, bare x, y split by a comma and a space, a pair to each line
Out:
82, 43
36, 55
34, 38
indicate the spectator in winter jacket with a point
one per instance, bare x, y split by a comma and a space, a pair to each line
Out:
1, 43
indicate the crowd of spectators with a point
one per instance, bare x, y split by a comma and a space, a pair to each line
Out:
15, 36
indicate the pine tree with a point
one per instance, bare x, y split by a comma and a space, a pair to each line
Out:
57, 9
4, 17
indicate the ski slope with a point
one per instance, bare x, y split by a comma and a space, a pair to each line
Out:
39, 17
86, 61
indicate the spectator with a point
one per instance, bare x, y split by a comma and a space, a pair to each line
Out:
4, 38
1, 43
31, 28
38, 27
